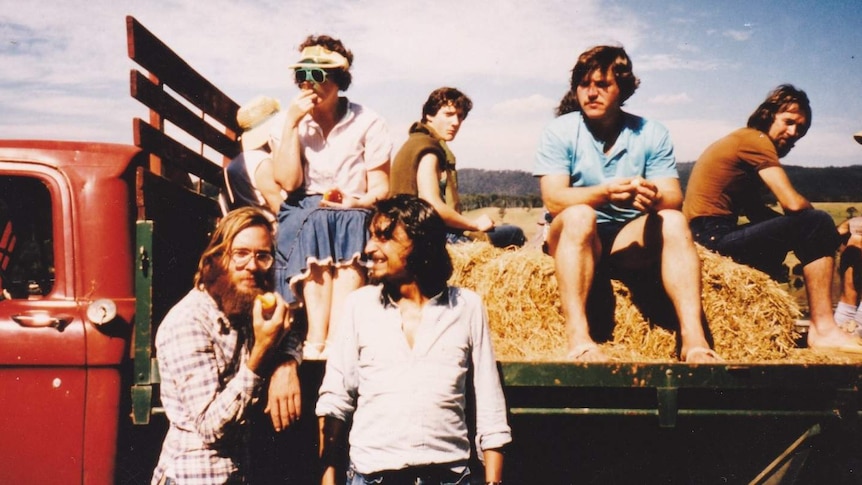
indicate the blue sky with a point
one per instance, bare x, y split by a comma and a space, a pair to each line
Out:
704, 65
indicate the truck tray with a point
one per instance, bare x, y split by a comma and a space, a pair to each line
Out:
683, 423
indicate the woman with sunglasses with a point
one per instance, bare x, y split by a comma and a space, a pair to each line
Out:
333, 160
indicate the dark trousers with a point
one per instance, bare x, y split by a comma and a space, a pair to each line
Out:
810, 234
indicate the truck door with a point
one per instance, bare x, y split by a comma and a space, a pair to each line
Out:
42, 371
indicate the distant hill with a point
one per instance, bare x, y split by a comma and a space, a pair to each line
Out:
501, 182
826, 184
817, 184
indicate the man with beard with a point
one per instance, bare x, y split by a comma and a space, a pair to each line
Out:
213, 347
399, 364
729, 180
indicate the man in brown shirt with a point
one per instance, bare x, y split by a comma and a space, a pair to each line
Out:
727, 182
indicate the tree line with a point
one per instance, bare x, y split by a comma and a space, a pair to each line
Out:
519, 189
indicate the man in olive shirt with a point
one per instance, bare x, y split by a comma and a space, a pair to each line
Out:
425, 167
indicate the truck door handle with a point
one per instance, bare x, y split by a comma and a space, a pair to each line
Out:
41, 319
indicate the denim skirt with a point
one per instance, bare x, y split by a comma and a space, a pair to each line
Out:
312, 235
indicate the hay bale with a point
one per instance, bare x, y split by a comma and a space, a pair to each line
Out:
751, 317
520, 292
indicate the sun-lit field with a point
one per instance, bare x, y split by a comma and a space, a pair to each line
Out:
839, 210
526, 219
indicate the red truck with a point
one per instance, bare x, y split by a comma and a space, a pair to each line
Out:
97, 241
83, 226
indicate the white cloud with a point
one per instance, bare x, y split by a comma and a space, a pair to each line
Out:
825, 147
689, 48
65, 66
71, 59
499, 144
691, 135
531, 105
667, 62
738, 35
671, 99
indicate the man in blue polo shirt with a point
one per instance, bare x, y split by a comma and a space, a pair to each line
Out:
609, 180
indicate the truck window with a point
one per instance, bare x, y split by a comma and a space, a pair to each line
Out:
26, 238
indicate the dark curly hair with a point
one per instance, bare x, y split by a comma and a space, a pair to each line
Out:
429, 261
600, 58
443, 97
778, 101
341, 77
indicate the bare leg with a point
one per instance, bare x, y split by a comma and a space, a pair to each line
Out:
681, 275
667, 234
845, 311
574, 244
849, 292
317, 294
346, 280
824, 332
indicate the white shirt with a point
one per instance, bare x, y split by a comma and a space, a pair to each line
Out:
408, 404
358, 143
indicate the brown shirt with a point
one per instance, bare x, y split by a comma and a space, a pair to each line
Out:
725, 179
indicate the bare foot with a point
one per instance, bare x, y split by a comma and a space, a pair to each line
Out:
834, 338
586, 352
701, 355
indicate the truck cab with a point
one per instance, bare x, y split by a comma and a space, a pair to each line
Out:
66, 307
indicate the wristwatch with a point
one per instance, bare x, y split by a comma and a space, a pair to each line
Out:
494, 483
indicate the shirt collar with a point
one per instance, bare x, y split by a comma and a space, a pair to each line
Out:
349, 114
441, 298
421, 127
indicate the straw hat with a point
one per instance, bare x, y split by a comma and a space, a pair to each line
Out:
858, 137
255, 119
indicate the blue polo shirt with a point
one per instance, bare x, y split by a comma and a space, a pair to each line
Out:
643, 148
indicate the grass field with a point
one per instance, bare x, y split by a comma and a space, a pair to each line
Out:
528, 220
838, 210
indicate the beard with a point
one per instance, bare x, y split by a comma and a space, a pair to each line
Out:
784, 149
232, 301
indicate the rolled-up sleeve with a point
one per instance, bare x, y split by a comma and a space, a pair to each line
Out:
492, 428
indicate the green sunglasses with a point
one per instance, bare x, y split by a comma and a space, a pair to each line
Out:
310, 74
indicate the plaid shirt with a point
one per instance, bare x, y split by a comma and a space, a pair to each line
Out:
206, 389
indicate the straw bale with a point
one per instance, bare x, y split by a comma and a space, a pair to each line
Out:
751, 317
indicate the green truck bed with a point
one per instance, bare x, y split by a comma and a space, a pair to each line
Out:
624, 422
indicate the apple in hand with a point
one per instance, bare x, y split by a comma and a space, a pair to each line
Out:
333, 195
267, 303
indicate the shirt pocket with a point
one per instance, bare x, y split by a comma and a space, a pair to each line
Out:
448, 355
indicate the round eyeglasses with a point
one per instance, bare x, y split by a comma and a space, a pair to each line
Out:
242, 257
